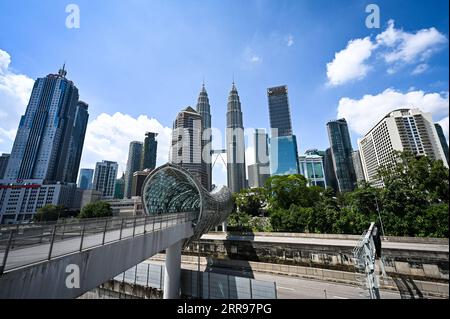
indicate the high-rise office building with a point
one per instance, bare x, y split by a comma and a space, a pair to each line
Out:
187, 144
3, 163
51, 133
235, 143
68, 172
259, 172
341, 150
283, 143
85, 178
204, 109
401, 130
119, 189
279, 111
133, 165
105, 178
149, 151
357, 165
312, 167
328, 166
444, 144
138, 180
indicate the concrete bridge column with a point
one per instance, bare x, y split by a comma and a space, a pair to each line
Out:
172, 271
224, 227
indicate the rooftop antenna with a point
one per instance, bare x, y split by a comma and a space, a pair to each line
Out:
62, 72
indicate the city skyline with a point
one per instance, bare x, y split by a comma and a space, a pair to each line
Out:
387, 77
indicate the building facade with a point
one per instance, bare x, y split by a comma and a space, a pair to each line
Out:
341, 151
187, 144
138, 181
357, 165
204, 109
105, 178
311, 166
3, 164
85, 178
119, 189
401, 130
133, 165
51, 133
149, 151
283, 153
235, 143
442, 139
20, 200
259, 172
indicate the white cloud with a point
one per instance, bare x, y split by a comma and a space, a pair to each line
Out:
396, 48
350, 63
409, 47
364, 113
251, 58
289, 40
108, 138
420, 69
15, 90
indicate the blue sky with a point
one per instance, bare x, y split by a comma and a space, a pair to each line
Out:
150, 57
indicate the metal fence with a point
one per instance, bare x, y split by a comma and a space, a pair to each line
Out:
22, 245
204, 285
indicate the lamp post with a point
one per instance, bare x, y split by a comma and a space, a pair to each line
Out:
379, 216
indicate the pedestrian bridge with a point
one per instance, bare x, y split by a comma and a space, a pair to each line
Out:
64, 260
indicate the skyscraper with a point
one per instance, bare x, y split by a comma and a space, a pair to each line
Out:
69, 171
204, 109
3, 164
148, 160
357, 165
133, 165
51, 133
312, 168
187, 144
105, 178
401, 130
330, 175
283, 144
259, 172
119, 189
85, 178
235, 143
442, 140
341, 150
279, 111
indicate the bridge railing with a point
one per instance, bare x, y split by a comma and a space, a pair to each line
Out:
23, 245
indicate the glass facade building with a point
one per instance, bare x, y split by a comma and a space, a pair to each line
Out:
279, 111
105, 178
133, 165
341, 151
311, 166
283, 155
51, 133
442, 140
149, 151
85, 178
172, 189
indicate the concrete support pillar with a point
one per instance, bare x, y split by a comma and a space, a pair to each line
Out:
224, 227
172, 271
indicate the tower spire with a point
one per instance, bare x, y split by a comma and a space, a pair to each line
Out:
62, 72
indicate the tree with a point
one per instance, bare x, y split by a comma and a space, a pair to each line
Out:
97, 209
250, 201
49, 213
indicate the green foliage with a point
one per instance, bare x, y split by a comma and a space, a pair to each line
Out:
414, 202
49, 213
250, 201
97, 209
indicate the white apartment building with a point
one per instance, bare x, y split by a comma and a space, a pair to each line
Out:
400, 130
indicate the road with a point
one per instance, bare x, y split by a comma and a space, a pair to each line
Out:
289, 287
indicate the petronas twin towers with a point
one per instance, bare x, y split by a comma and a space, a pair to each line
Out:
234, 141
